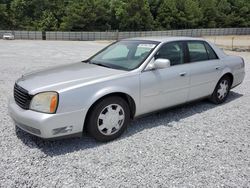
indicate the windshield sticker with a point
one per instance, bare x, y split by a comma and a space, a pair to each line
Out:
146, 46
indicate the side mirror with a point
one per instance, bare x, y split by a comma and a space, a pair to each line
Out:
161, 63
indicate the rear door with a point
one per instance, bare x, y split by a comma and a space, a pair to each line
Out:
205, 69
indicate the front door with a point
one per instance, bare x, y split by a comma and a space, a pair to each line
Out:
167, 87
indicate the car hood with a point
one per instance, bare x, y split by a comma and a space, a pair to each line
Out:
61, 77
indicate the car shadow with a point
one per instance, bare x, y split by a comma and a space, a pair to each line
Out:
168, 116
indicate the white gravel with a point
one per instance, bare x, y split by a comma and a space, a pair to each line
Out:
196, 145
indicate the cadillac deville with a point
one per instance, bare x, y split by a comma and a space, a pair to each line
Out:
125, 80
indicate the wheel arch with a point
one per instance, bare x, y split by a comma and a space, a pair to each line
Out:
214, 97
230, 75
125, 96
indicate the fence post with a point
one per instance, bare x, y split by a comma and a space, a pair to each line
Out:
43, 35
117, 34
232, 43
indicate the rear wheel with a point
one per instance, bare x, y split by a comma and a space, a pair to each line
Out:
108, 119
221, 90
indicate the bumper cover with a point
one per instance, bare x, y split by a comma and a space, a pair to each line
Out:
44, 125
238, 78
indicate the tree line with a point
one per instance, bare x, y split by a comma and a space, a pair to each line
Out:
124, 15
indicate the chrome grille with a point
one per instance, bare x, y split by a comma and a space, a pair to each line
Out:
21, 97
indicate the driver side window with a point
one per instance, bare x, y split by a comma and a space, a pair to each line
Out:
172, 51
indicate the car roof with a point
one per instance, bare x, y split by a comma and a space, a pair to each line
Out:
165, 39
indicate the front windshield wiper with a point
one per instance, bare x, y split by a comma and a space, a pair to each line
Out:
103, 65
85, 61
99, 64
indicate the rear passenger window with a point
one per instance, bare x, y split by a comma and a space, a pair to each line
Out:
210, 51
197, 51
172, 51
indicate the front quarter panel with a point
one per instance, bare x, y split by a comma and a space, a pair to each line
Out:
82, 97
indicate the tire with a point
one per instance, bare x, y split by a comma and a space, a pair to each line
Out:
108, 119
221, 90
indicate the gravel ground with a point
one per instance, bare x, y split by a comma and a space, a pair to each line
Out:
196, 145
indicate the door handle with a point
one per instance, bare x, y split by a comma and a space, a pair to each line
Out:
183, 74
217, 68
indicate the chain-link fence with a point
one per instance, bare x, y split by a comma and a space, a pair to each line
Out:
116, 35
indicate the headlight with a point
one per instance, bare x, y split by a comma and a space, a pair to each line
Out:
45, 102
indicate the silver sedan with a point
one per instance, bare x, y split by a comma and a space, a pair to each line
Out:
8, 36
125, 80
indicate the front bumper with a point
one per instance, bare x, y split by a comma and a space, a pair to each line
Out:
8, 38
47, 125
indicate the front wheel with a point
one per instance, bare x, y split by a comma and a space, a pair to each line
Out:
221, 90
108, 119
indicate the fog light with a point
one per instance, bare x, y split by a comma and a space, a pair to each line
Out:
62, 130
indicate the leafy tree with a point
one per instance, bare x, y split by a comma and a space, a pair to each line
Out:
47, 22
240, 13
190, 14
166, 16
21, 14
224, 9
154, 6
210, 13
36, 14
4, 20
127, 15
133, 15
86, 15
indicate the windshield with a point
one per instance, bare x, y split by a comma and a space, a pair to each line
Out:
125, 55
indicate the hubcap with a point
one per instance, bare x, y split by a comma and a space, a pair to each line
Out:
223, 89
111, 119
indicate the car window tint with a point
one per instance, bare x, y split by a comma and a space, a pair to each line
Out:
119, 51
172, 51
210, 51
197, 51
